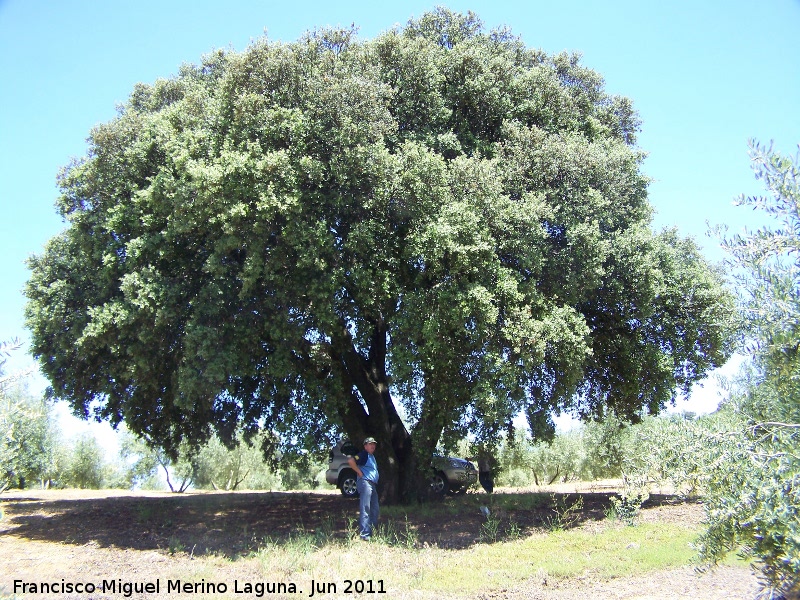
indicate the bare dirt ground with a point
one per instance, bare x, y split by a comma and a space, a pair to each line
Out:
75, 534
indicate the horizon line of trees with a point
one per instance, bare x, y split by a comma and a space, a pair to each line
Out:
36, 454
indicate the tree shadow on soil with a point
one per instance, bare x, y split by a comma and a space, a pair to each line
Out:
234, 524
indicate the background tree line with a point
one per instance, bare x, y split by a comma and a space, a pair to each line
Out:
34, 453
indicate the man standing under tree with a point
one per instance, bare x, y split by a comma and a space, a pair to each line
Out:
367, 485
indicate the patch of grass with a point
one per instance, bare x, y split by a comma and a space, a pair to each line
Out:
445, 508
614, 552
302, 552
327, 531
392, 535
395, 511
619, 552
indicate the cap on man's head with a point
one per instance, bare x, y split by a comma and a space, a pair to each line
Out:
370, 440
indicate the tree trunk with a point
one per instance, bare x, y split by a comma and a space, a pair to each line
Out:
370, 411
169, 483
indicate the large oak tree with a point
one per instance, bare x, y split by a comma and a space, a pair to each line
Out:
422, 234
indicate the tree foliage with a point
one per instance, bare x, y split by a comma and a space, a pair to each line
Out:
140, 460
28, 439
745, 458
416, 235
754, 490
524, 462
85, 469
211, 466
144, 460
29, 442
241, 467
592, 451
6, 348
677, 451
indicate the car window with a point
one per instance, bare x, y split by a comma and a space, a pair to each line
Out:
349, 449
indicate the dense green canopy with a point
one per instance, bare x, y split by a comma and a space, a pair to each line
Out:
439, 224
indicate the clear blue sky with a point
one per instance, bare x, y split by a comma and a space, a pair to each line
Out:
705, 75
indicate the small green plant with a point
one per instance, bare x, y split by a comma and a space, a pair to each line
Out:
391, 536
175, 545
301, 543
324, 533
409, 538
144, 511
565, 515
352, 528
626, 508
490, 529
513, 530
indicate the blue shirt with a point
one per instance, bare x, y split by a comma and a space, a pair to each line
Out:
368, 465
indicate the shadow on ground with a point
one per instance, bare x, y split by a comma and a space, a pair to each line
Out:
233, 524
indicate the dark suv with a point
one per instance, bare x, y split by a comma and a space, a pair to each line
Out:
450, 475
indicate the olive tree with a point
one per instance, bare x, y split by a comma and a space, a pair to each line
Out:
754, 471
29, 441
228, 469
414, 236
86, 464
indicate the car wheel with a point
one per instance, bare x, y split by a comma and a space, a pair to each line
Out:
438, 484
347, 484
